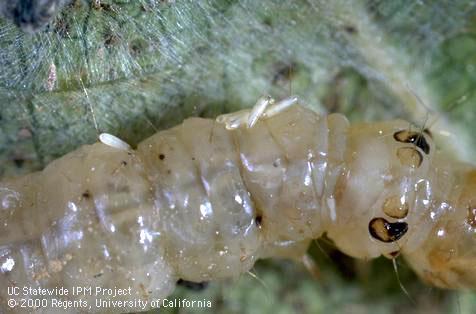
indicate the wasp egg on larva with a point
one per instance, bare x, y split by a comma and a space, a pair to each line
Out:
206, 199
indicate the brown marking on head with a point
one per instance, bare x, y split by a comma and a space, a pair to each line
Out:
395, 208
385, 231
416, 138
409, 157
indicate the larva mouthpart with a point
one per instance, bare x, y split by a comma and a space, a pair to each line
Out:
204, 200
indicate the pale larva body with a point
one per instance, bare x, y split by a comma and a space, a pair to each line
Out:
202, 202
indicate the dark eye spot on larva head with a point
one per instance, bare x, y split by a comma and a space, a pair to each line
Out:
409, 157
385, 231
161, 156
195, 286
86, 194
416, 138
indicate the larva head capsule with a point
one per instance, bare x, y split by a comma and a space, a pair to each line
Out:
384, 193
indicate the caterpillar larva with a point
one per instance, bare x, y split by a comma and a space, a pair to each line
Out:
206, 199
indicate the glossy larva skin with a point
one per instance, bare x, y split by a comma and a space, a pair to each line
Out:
200, 202
86, 220
447, 256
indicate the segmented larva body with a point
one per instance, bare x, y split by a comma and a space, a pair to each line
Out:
204, 200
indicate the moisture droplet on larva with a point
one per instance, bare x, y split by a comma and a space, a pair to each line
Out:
395, 207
